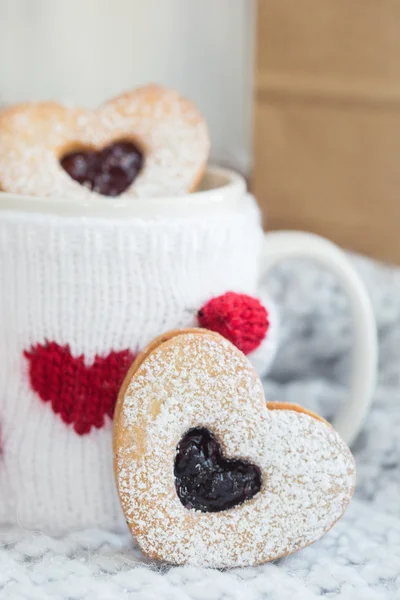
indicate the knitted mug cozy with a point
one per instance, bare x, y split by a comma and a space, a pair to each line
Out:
80, 297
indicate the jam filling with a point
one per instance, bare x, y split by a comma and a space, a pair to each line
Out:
109, 171
208, 482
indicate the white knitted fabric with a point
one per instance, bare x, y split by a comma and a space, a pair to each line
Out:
98, 285
359, 559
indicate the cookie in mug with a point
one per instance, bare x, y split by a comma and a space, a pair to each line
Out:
148, 142
208, 473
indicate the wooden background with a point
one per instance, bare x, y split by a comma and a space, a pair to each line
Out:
327, 120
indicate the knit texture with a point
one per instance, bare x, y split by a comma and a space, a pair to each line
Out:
82, 395
80, 297
359, 559
243, 320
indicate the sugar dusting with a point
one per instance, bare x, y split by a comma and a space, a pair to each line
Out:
172, 133
308, 471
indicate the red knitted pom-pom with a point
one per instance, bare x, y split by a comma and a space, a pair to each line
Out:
241, 319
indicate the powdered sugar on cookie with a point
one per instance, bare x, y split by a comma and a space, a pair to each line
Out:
169, 129
202, 380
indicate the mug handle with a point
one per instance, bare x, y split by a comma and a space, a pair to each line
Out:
279, 245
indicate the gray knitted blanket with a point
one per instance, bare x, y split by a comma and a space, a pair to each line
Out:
358, 560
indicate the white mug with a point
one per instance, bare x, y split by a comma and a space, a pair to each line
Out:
85, 286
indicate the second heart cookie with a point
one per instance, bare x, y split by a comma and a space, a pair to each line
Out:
147, 143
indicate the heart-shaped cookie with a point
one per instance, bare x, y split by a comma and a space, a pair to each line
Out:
267, 479
148, 142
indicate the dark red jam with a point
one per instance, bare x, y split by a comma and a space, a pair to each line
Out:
208, 482
109, 171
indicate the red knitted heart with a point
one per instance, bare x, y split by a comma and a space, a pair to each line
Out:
80, 394
241, 319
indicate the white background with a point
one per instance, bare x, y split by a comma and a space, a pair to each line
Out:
84, 51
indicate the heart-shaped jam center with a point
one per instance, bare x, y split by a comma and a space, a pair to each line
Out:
109, 171
208, 482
